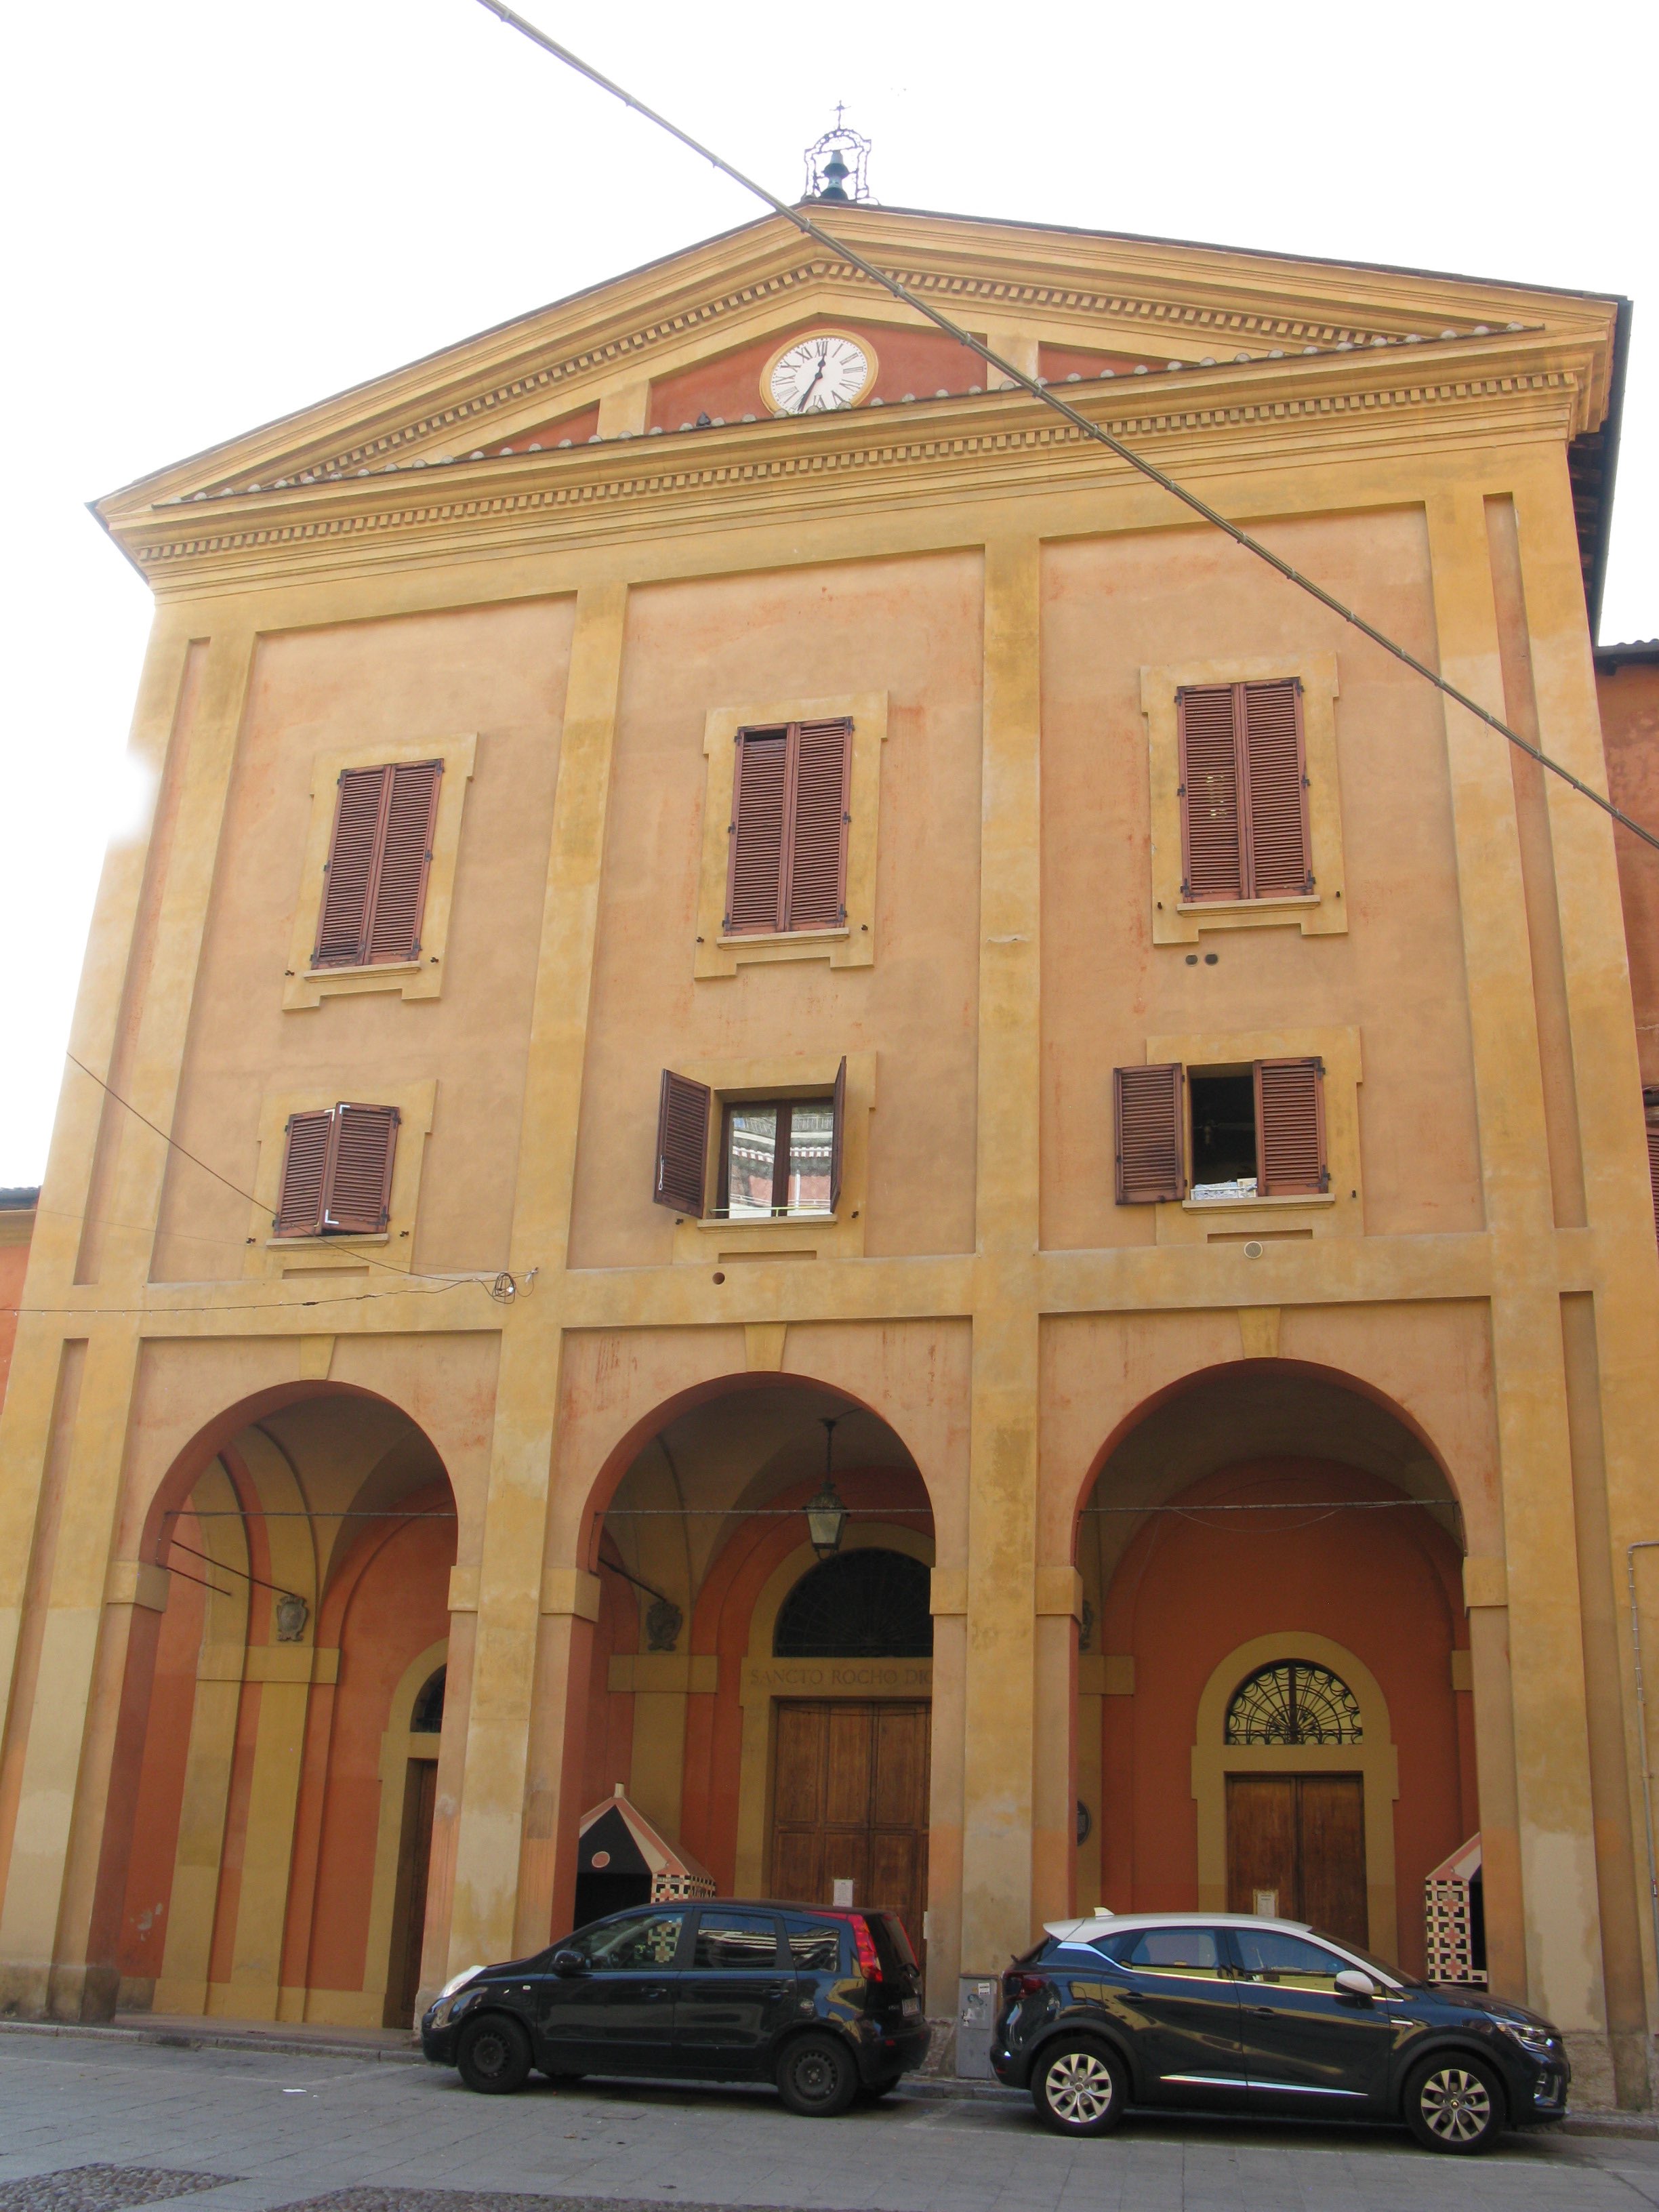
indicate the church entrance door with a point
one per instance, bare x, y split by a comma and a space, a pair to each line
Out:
850, 1804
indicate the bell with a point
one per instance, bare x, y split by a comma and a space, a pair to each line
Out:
833, 185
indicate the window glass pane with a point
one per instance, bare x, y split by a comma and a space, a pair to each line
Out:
1288, 1958
1189, 1950
735, 1940
650, 1941
811, 1129
751, 1145
815, 1946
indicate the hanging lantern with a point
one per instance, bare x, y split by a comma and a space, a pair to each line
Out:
826, 1517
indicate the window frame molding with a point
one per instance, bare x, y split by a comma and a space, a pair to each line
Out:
305, 987
851, 943
733, 1082
270, 1257
1321, 912
1340, 1211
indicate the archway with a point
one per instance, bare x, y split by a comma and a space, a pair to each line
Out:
1269, 1517
282, 1864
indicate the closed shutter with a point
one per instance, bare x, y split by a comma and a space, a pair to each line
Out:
305, 1174
1146, 1105
1211, 832
1651, 1112
359, 1195
1278, 865
816, 897
405, 862
1290, 1127
837, 1134
754, 880
682, 1143
349, 884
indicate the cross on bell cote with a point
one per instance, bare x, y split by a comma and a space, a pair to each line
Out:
837, 165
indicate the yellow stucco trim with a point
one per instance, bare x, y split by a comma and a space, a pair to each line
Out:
1325, 913
1338, 1212
854, 945
278, 1257
307, 985
837, 1237
1374, 1758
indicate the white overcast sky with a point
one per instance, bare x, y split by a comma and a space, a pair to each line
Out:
217, 212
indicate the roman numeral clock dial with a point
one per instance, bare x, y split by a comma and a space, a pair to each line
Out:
816, 375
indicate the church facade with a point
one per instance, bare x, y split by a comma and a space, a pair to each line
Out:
803, 1109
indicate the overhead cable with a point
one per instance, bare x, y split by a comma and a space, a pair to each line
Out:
1080, 422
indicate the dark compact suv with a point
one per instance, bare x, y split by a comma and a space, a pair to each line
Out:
1263, 2016
825, 2002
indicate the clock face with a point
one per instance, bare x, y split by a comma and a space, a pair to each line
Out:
816, 374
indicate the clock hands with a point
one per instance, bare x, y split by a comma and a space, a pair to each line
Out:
800, 404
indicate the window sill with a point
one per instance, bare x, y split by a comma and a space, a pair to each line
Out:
364, 967
786, 936
348, 1237
1258, 1204
737, 1223
1248, 906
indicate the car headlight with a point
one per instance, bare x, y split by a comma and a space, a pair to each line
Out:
444, 2004
1537, 2042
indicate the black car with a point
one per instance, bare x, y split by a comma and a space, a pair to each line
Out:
825, 2002
1235, 2014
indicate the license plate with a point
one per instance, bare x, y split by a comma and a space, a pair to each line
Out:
910, 2007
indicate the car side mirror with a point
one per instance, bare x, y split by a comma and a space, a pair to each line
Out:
566, 1963
1353, 1984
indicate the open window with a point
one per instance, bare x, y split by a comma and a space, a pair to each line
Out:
337, 1172
1253, 1131
1650, 1115
775, 1159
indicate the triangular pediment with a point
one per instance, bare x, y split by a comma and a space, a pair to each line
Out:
688, 337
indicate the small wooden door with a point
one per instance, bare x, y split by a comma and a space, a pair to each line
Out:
409, 1909
849, 1803
1301, 1837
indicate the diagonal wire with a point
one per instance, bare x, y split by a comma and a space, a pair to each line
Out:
1080, 422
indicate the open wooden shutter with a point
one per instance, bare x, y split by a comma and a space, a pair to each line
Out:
352, 853
816, 892
837, 1134
1290, 1127
305, 1175
1650, 1114
1278, 863
1147, 1108
754, 876
358, 1199
404, 862
1211, 832
682, 1143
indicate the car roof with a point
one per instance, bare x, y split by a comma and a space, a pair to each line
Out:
1099, 1922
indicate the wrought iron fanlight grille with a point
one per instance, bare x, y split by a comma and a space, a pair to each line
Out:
1294, 1702
867, 1604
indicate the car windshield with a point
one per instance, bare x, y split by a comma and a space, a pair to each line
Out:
1370, 1959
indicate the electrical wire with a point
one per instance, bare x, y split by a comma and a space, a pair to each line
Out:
1039, 391
225, 1568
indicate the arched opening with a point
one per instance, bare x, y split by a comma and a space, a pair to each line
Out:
765, 1707
1274, 1680
283, 1863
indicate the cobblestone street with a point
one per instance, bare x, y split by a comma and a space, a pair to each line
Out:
240, 2130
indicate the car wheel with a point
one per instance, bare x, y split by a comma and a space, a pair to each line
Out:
816, 2077
493, 2056
1079, 2088
1454, 2104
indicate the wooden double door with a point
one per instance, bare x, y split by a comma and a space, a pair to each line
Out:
849, 1803
1300, 1839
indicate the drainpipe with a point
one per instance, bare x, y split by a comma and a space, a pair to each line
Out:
1647, 1544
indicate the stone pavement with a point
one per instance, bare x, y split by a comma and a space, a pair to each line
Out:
247, 2129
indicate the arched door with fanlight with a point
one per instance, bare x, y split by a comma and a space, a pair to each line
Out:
1295, 1840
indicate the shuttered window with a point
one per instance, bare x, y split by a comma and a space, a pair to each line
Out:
1290, 1127
337, 1172
1243, 791
1148, 1109
779, 1157
1650, 1114
682, 1143
787, 869
379, 859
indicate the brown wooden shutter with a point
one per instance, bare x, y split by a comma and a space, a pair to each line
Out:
1278, 863
837, 1133
404, 862
1212, 831
816, 893
305, 1173
358, 1199
1147, 1108
754, 879
682, 1143
1290, 1127
353, 851
1650, 1114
